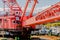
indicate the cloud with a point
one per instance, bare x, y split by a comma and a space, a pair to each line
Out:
38, 9
28, 9
2, 9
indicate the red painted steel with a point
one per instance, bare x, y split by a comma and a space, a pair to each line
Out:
48, 15
17, 15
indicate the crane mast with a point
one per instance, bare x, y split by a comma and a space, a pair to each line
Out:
31, 11
13, 6
16, 11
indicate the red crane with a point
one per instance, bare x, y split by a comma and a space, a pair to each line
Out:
17, 16
42, 17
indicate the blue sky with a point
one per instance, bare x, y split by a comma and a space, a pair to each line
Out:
41, 4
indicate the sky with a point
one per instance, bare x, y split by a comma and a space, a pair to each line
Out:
41, 5
41, 2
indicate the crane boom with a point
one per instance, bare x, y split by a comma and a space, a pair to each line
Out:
48, 15
13, 6
32, 10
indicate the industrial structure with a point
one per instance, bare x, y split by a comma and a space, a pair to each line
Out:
16, 22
